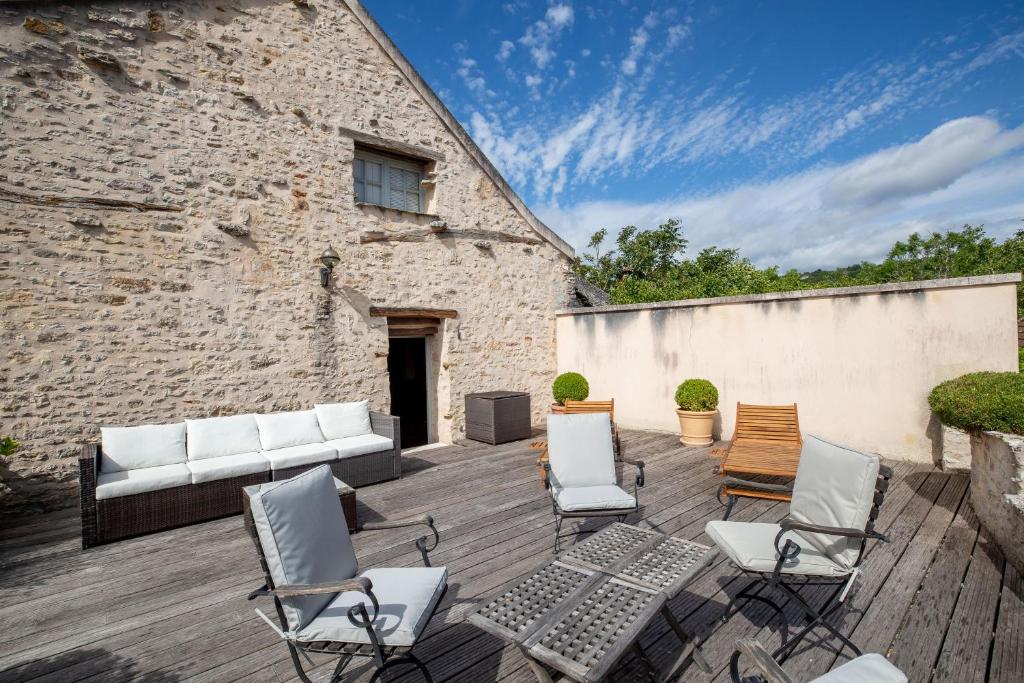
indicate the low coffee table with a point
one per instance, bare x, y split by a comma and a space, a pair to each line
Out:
347, 494
580, 613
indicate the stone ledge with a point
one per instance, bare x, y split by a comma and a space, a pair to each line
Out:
887, 288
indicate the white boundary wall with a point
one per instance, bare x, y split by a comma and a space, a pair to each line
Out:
859, 361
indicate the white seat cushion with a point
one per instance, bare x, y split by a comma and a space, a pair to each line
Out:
406, 595
227, 466
360, 445
340, 420
752, 546
593, 498
834, 486
132, 448
128, 482
580, 450
295, 428
873, 668
215, 437
304, 537
293, 456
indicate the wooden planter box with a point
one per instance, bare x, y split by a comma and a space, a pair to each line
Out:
498, 416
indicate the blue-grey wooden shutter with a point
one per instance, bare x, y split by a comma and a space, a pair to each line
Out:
403, 188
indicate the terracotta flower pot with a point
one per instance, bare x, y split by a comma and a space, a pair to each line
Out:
695, 427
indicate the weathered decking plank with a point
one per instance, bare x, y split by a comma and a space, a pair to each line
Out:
171, 606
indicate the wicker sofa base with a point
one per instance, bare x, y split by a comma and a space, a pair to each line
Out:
358, 470
143, 513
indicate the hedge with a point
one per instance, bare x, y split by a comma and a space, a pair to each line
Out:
981, 401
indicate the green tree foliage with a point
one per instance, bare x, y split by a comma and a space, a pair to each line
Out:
649, 265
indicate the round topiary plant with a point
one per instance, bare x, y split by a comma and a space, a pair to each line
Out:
697, 395
570, 386
981, 401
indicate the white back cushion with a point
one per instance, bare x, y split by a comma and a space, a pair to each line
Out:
280, 430
341, 420
132, 448
304, 537
215, 437
580, 450
835, 486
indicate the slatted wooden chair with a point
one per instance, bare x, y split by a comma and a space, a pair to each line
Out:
766, 441
580, 408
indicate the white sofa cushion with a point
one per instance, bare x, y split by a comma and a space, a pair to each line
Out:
295, 428
360, 445
580, 450
293, 456
834, 486
128, 482
304, 537
406, 595
132, 448
593, 498
871, 667
751, 546
215, 437
339, 420
227, 466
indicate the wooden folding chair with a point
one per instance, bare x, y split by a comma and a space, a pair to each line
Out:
767, 442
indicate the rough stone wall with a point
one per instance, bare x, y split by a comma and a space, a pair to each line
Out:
168, 174
997, 489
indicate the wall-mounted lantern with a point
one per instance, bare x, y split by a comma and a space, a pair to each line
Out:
329, 259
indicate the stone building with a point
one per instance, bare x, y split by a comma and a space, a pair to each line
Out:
170, 173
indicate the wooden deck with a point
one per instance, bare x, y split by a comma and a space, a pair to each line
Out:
938, 599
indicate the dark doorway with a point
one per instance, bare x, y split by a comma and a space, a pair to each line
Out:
407, 365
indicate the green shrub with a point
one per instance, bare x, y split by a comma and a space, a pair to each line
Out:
570, 386
981, 401
1020, 359
8, 446
697, 395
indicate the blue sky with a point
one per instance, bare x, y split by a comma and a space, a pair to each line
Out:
807, 134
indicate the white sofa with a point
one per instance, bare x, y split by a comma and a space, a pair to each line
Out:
150, 477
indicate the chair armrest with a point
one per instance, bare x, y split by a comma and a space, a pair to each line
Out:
768, 667
422, 543
359, 583
756, 485
88, 468
793, 525
385, 425
639, 465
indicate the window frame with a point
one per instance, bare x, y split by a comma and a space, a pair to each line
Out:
388, 161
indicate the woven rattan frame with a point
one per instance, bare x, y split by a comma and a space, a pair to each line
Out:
114, 519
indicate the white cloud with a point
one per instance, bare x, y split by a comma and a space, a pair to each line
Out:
472, 77
969, 170
505, 50
542, 34
532, 81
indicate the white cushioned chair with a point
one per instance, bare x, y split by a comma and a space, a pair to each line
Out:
324, 603
580, 471
870, 668
836, 498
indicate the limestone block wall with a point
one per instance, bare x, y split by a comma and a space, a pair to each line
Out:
997, 489
168, 174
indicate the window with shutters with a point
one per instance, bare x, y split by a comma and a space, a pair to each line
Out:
388, 181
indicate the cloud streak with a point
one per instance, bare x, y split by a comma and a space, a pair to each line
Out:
966, 170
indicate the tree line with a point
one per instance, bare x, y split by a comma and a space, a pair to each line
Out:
651, 265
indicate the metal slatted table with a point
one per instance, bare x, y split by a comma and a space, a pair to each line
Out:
582, 612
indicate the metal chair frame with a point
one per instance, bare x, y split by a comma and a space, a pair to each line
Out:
619, 513
789, 584
383, 656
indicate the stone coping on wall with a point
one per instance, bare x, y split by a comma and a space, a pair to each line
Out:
887, 288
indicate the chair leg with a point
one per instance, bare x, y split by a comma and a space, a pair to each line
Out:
297, 663
747, 595
729, 506
558, 531
409, 658
817, 618
340, 667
